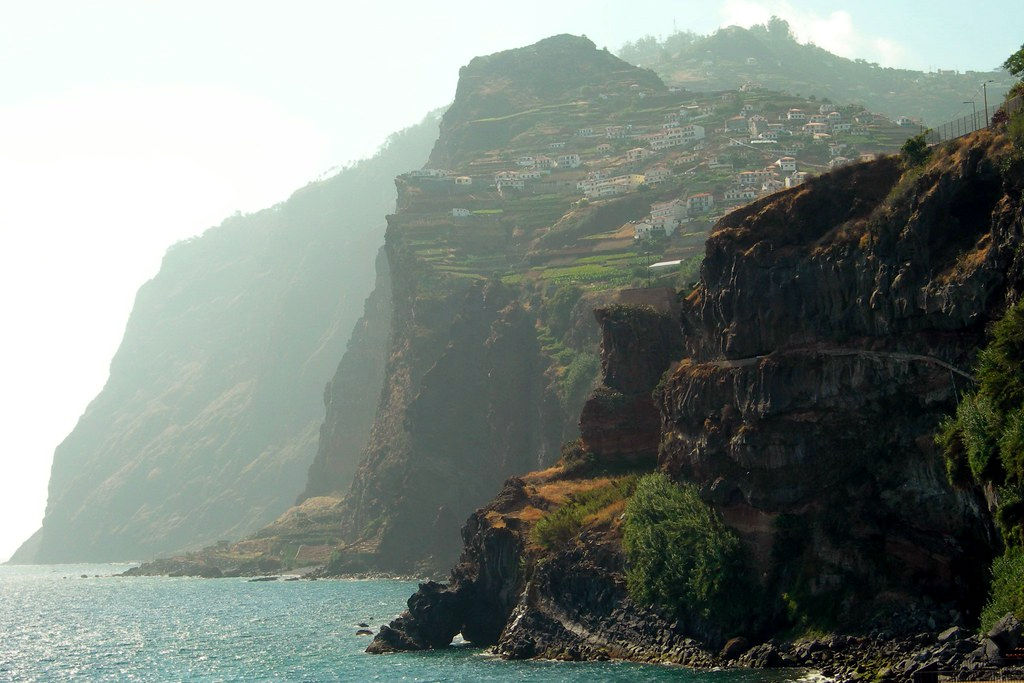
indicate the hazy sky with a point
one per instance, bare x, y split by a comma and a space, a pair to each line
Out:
126, 126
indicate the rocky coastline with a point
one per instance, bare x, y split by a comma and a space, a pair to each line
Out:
798, 388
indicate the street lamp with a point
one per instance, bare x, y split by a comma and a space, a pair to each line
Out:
975, 108
984, 88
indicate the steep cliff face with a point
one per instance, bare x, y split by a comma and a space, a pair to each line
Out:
461, 410
350, 396
833, 328
209, 419
833, 325
471, 393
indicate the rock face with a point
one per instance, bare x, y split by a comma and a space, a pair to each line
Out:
832, 330
619, 420
470, 398
210, 416
350, 396
832, 327
461, 411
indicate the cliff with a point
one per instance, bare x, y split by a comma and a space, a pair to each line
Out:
476, 384
832, 327
210, 416
349, 396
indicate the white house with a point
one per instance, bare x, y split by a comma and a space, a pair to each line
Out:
752, 178
585, 132
556, 145
463, 180
636, 154
657, 174
904, 121
569, 161
786, 164
642, 230
666, 215
702, 202
461, 213
796, 115
604, 148
797, 178
841, 127
826, 108
692, 132
430, 173
525, 160
740, 194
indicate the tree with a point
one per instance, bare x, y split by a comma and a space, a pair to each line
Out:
915, 150
778, 29
1015, 63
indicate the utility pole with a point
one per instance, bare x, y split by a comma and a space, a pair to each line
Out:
984, 89
975, 118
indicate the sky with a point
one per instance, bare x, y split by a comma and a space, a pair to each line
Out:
128, 126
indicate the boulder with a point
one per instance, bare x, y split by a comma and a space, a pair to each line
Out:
1006, 633
734, 648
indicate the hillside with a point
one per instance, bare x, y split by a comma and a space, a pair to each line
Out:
758, 482
210, 417
771, 57
481, 329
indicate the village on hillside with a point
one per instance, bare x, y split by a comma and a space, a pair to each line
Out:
689, 158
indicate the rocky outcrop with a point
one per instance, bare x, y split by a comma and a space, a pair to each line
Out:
574, 605
828, 337
619, 420
834, 324
461, 411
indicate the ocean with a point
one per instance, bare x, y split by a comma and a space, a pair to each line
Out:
56, 625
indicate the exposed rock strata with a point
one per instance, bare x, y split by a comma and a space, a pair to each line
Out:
832, 327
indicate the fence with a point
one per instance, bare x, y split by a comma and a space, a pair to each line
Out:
970, 123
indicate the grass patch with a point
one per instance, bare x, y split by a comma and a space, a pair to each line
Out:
557, 528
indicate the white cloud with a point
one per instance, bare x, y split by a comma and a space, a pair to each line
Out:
834, 31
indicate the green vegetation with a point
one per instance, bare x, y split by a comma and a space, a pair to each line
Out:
915, 150
984, 444
1007, 590
1015, 63
579, 377
557, 528
682, 557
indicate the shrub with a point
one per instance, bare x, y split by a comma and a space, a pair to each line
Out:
915, 150
557, 528
1006, 593
575, 459
682, 557
979, 426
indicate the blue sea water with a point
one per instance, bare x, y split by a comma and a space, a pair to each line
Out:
55, 625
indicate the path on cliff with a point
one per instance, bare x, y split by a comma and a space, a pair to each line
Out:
841, 351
